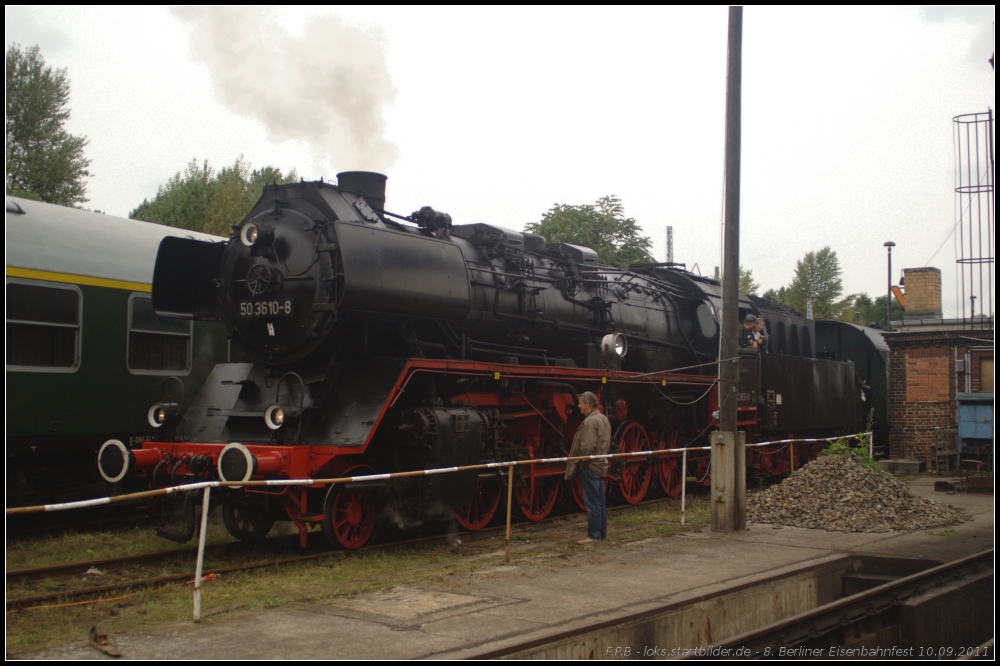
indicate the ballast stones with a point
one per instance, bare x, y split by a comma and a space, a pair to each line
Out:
838, 494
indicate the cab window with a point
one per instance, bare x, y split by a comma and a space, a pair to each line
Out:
156, 345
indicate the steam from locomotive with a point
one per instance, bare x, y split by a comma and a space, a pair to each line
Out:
326, 87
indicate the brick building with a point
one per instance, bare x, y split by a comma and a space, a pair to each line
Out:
932, 359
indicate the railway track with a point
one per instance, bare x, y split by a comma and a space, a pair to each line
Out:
22, 528
150, 560
867, 613
921, 615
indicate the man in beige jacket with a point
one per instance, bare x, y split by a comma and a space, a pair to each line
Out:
593, 437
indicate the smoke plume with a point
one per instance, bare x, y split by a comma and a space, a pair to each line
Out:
326, 87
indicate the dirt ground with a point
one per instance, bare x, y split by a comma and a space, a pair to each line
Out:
337, 575
448, 600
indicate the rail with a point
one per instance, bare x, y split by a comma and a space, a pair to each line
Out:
207, 486
802, 634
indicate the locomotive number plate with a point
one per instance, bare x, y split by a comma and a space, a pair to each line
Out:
281, 308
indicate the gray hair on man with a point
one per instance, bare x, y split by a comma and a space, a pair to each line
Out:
589, 398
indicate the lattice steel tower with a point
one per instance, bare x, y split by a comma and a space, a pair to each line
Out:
975, 208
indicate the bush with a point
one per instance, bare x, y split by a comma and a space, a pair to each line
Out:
843, 447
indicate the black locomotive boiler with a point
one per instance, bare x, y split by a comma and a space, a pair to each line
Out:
373, 342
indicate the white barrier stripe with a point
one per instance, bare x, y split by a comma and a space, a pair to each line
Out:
372, 477
201, 485
443, 470
78, 505
387, 476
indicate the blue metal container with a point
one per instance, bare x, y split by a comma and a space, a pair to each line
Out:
975, 427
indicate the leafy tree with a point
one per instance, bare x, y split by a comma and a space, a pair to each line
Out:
747, 284
780, 295
44, 162
202, 200
602, 226
817, 278
863, 310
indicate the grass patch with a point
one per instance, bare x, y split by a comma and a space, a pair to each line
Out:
306, 582
640, 515
646, 532
947, 532
649, 521
73, 547
324, 580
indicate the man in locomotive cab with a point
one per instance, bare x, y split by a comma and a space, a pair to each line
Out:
860, 384
758, 335
747, 340
593, 437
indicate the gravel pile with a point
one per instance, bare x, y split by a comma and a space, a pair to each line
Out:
838, 494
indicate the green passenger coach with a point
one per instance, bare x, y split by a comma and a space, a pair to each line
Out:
86, 354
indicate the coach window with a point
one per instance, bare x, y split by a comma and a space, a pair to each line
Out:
806, 342
156, 345
43, 327
782, 342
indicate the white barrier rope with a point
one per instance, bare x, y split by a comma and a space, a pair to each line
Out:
206, 487
199, 485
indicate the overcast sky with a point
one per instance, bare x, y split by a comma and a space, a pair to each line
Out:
494, 115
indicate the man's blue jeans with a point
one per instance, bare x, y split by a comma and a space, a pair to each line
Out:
596, 503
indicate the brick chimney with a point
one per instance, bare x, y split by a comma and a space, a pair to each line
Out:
923, 292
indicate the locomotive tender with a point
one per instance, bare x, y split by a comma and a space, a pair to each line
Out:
372, 342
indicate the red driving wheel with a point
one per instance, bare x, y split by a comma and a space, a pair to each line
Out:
668, 467
636, 473
348, 517
483, 506
538, 496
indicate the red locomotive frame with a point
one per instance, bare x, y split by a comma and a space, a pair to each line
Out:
535, 423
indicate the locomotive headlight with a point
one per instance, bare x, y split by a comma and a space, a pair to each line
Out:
277, 415
162, 412
274, 417
249, 234
614, 347
254, 236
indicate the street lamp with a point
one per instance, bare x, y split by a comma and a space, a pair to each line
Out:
888, 303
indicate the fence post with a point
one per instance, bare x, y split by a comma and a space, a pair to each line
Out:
201, 555
510, 495
684, 482
729, 498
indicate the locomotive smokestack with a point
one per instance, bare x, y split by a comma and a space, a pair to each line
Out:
368, 184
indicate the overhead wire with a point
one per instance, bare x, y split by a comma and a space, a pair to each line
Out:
954, 226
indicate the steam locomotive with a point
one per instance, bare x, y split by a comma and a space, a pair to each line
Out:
371, 342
